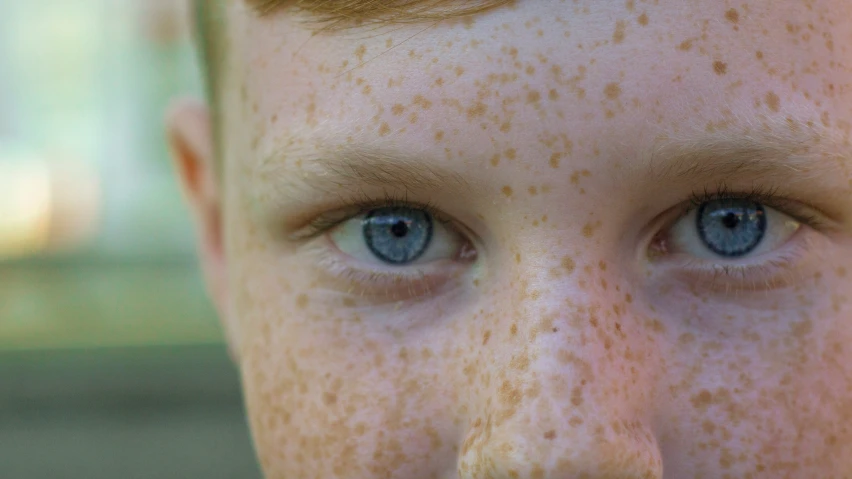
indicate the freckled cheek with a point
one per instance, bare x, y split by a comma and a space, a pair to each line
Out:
304, 380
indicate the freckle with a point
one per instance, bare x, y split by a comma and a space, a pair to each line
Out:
720, 67
495, 160
360, 52
732, 15
759, 55
274, 119
506, 126
618, 35
575, 421
439, 82
554, 160
773, 101
459, 71
841, 272
412, 118
486, 337
513, 330
302, 301
511, 154
708, 426
801, 329
533, 97
439, 135
329, 398
348, 302
509, 394
397, 109
702, 400
612, 91
530, 70
422, 102
533, 190
507, 190
477, 110
568, 264
550, 435
588, 230
685, 45
686, 338
643, 19
384, 130
577, 396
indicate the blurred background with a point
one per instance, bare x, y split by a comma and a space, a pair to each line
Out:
112, 363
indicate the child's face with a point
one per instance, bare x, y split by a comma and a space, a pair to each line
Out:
639, 260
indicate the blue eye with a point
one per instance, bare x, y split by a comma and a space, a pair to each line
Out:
731, 227
397, 235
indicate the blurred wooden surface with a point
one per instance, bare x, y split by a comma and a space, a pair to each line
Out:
150, 412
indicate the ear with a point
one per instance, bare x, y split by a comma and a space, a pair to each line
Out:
191, 141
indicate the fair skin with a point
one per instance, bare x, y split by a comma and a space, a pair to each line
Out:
566, 320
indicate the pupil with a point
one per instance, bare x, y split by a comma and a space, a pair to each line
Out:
400, 229
731, 220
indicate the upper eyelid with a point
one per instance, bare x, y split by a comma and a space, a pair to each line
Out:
800, 211
325, 222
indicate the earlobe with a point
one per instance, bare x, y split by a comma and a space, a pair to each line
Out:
191, 142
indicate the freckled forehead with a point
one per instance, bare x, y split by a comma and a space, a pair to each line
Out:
602, 56
592, 30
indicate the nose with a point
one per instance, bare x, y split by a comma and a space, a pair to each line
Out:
570, 398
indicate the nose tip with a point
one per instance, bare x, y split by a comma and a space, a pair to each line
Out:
582, 449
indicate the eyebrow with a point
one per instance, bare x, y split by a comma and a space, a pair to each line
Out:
788, 149
786, 153
351, 168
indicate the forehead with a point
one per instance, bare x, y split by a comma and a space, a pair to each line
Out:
588, 67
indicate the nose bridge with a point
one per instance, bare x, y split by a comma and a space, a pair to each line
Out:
570, 395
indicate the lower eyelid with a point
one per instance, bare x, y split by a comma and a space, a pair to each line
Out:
385, 282
773, 270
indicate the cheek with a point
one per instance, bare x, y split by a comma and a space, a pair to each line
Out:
766, 388
328, 391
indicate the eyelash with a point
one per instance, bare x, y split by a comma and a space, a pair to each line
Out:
355, 207
777, 270
393, 283
394, 278
764, 196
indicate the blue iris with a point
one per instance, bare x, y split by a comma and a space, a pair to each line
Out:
731, 227
398, 235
